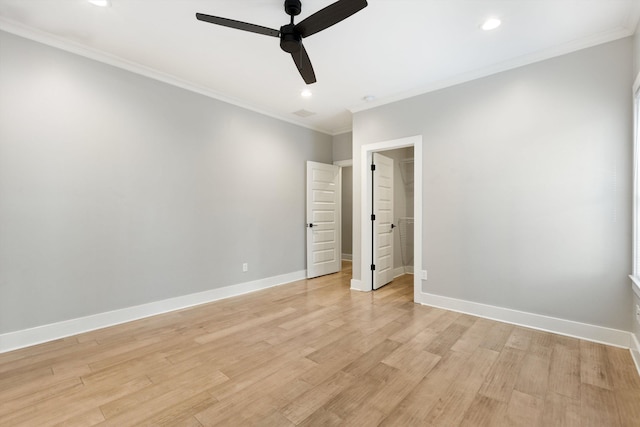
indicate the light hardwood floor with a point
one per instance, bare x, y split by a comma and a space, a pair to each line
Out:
315, 353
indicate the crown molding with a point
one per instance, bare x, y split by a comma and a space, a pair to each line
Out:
627, 29
134, 67
518, 62
633, 19
342, 131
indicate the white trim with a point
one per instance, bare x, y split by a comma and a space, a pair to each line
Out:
341, 131
125, 64
635, 284
87, 52
344, 163
635, 279
636, 84
633, 18
356, 285
28, 337
635, 351
366, 152
347, 257
555, 325
398, 271
511, 64
636, 159
401, 271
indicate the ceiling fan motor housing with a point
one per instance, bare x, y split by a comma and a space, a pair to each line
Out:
290, 40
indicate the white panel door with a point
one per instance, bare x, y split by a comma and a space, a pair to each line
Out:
383, 223
324, 248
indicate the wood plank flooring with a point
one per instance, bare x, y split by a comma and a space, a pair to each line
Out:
315, 353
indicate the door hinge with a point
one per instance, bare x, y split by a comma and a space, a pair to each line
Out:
373, 217
373, 167
373, 267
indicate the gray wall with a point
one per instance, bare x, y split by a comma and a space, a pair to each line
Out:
635, 328
347, 211
342, 150
527, 185
636, 51
118, 190
342, 146
636, 71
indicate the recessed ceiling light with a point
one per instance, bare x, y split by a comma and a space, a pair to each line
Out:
491, 24
101, 3
369, 98
306, 93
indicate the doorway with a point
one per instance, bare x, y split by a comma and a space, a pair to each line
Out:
366, 186
392, 215
347, 208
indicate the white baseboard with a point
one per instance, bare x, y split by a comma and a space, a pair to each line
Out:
635, 351
570, 328
28, 337
347, 257
356, 285
397, 272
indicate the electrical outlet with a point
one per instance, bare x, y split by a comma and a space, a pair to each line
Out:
245, 267
423, 275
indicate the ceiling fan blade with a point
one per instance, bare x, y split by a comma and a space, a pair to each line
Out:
239, 25
301, 58
329, 16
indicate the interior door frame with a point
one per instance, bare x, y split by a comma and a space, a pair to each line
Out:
366, 187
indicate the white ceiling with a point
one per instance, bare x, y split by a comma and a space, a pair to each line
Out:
392, 49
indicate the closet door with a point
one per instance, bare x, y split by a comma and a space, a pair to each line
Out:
383, 223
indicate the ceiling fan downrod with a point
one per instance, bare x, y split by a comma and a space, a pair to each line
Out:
290, 39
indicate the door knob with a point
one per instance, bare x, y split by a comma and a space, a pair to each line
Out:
311, 225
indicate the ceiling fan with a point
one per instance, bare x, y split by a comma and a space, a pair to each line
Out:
291, 34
